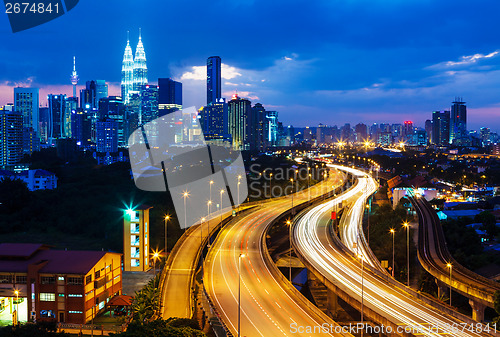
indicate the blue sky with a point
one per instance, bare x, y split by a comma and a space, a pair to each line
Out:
330, 62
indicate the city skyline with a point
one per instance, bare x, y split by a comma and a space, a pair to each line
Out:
309, 79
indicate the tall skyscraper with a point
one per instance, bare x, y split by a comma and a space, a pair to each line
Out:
361, 132
149, 104
272, 128
26, 102
258, 139
213, 79
458, 127
74, 77
239, 110
127, 84
169, 96
11, 136
112, 108
57, 115
428, 131
140, 68
441, 128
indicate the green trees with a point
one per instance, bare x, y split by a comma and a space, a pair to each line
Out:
31, 330
146, 302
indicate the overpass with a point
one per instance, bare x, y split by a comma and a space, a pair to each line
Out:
435, 258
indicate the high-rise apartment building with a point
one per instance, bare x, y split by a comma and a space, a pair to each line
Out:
26, 101
441, 128
57, 114
11, 136
107, 135
239, 110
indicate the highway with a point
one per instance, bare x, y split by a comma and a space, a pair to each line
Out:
269, 307
331, 261
435, 257
177, 282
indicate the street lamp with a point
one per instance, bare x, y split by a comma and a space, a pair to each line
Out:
156, 255
209, 207
185, 195
289, 223
291, 180
271, 185
407, 226
221, 193
393, 232
239, 292
17, 306
360, 255
449, 265
239, 182
167, 217
368, 220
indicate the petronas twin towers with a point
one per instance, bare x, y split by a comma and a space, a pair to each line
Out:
134, 70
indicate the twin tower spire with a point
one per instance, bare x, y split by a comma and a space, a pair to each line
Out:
134, 70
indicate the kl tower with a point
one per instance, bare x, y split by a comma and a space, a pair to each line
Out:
74, 77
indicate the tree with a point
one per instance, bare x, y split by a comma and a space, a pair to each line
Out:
489, 223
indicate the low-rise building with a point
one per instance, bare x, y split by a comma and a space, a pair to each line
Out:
35, 179
43, 284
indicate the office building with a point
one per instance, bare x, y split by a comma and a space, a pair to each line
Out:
458, 122
107, 135
428, 130
239, 110
149, 104
258, 127
169, 96
57, 118
58, 285
214, 93
271, 128
26, 101
213, 120
11, 136
361, 132
136, 239
441, 128
81, 126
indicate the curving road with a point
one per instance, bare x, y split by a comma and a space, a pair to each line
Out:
269, 307
330, 260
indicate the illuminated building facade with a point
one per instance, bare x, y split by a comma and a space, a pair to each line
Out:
136, 239
239, 110
140, 69
55, 285
127, 84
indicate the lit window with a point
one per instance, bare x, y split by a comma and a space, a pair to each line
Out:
47, 297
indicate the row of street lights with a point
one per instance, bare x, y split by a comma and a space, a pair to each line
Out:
406, 225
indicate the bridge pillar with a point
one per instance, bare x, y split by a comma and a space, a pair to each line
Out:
332, 303
477, 310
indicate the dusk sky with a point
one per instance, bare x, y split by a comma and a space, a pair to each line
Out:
330, 62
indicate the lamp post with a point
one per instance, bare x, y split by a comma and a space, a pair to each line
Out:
155, 257
407, 226
239, 182
210, 206
393, 232
289, 223
17, 306
362, 291
271, 185
368, 219
291, 180
239, 292
167, 217
449, 265
185, 195
221, 193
